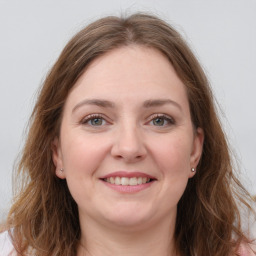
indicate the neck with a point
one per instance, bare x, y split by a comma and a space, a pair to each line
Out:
98, 240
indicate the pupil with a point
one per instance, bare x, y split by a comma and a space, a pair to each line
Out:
97, 121
158, 121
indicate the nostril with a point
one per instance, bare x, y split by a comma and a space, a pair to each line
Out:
128, 148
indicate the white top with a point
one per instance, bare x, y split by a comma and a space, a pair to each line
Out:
6, 246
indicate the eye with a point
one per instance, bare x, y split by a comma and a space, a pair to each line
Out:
161, 120
94, 120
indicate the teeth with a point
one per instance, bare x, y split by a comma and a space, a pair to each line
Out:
133, 181
117, 181
127, 181
111, 180
124, 181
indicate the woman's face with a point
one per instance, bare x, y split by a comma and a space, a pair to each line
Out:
127, 121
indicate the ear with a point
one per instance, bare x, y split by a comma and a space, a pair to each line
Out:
197, 150
57, 158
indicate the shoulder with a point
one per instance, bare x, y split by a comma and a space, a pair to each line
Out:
247, 250
6, 246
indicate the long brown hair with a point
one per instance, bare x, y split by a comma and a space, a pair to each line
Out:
44, 216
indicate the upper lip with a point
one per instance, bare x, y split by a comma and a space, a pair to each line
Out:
128, 175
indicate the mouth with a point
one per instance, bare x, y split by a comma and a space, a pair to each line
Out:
126, 181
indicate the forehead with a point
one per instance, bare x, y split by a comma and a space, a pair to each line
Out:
129, 72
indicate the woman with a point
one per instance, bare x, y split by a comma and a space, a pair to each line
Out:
125, 154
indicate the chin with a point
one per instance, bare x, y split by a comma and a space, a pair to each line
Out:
129, 224
128, 217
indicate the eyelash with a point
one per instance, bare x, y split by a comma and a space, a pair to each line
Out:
165, 118
168, 119
91, 117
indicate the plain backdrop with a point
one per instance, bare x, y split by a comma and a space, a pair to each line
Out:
222, 34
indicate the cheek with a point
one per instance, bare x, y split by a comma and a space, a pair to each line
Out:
173, 155
173, 159
82, 154
81, 159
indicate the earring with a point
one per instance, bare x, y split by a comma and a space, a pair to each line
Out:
61, 170
193, 169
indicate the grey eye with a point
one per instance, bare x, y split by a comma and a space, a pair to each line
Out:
159, 121
96, 121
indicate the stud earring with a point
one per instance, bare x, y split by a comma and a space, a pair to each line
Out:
193, 169
61, 170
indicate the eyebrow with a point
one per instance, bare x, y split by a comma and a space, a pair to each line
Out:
109, 104
160, 102
96, 102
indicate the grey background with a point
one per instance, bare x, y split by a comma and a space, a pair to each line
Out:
222, 34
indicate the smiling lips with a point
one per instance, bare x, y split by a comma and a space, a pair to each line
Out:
125, 181
128, 182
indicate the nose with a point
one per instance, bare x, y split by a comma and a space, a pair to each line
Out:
129, 145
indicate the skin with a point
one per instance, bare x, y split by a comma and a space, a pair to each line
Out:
129, 133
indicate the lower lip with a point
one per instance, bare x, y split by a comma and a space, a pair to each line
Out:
128, 189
